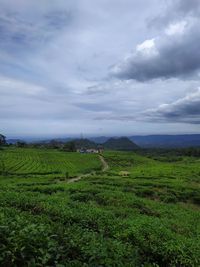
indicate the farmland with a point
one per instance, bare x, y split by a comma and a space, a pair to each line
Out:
28, 162
150, 217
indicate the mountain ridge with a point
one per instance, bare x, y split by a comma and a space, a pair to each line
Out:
144, 141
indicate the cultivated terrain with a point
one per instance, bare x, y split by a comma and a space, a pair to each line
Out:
115, 209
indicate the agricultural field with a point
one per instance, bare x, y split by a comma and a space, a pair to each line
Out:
141, 211
32, 162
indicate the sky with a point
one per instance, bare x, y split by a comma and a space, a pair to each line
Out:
97, 67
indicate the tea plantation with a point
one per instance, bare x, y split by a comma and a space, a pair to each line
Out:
142, 211
28, 162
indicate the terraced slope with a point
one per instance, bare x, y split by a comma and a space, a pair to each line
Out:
46, 162
150, 218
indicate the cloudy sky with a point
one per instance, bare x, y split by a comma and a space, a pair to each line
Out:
99, 67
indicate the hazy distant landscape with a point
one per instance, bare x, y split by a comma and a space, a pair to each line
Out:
144, 141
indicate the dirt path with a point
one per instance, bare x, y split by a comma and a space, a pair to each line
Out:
104, 164
72, 180
105, 167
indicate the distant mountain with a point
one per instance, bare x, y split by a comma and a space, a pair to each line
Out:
84, 143
122, 143
99, 140
13, 141
167, 141
59, 140
148, 141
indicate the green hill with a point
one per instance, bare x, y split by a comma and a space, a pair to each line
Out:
122, 143
84, 143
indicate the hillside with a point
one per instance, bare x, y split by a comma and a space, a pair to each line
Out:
146, 141
160, 141
99, 139
167, 141
122, 143
150, 217
84, 143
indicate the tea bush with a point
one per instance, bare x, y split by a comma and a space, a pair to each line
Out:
150, 218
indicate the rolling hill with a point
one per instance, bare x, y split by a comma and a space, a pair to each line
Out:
122, 143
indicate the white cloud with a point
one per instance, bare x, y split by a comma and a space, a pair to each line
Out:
176, 28
147, 47
10, 86
174, 53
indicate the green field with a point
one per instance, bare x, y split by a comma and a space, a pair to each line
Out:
151, 217
29, 162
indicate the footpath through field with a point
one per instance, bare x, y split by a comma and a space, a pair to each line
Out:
104, 163
105, 167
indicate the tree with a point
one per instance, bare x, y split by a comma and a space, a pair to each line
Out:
69, 146
2, 140
21, 144
54, 144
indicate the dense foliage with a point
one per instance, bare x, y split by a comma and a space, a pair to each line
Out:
149, 218
2, 140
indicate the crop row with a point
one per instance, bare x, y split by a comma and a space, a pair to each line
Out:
29, 161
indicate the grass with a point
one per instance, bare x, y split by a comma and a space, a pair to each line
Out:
150, 218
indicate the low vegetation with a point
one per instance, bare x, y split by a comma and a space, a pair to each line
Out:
149, 218
29, 161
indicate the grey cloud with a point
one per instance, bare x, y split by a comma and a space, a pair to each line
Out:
175, 10
56, 55
174, 56
57, 20
175, 53
96, 90
187, 7
185, 110
18, 30
97, 107
115, 118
